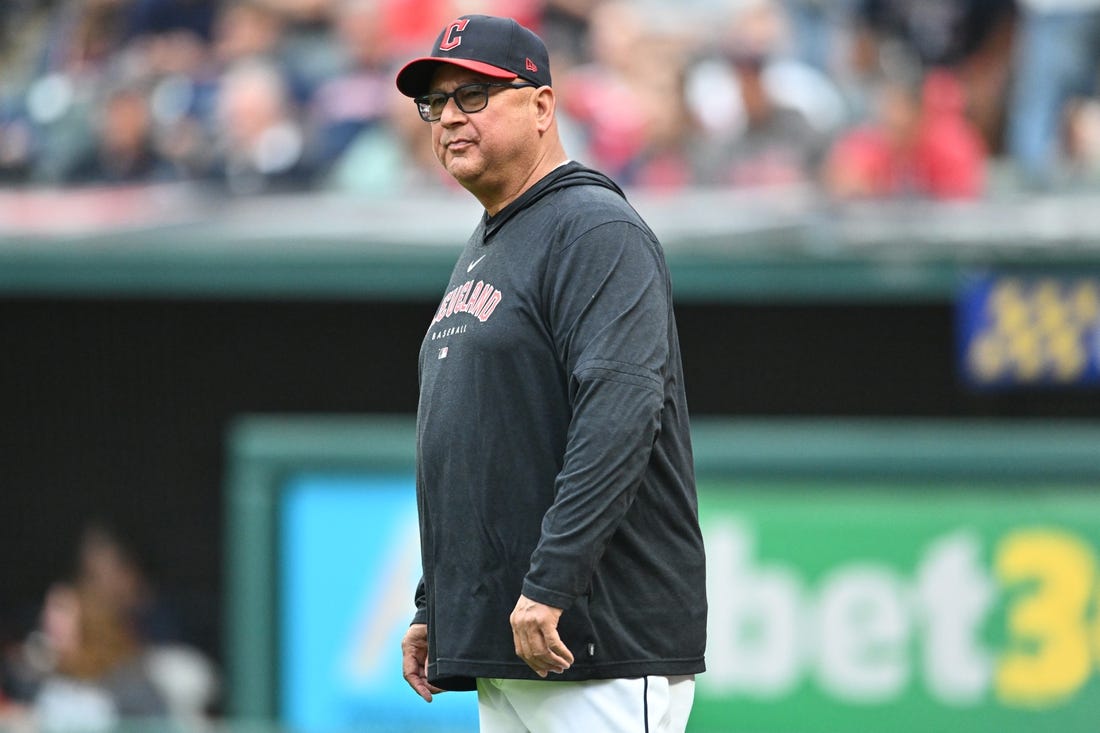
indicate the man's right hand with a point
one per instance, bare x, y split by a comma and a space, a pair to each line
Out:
414, 661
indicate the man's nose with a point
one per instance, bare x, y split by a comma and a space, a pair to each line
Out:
451, 113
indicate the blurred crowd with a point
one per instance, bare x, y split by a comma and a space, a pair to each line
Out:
943, 99
103, 648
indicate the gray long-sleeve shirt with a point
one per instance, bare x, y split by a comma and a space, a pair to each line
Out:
554, 457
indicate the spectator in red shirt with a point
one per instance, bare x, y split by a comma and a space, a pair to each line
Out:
919, 144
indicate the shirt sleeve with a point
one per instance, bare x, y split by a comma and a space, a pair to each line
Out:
421, 600
609, 315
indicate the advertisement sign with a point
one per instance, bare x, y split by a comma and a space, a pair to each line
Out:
1037, 330
835, 607
839, 608
350, 560
863, 577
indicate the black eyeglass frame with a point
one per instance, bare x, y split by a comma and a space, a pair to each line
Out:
423, 102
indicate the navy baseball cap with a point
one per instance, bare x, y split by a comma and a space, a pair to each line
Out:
496, 47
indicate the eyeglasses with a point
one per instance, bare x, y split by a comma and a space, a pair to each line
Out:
470, 98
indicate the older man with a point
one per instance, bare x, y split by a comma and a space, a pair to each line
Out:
563, 564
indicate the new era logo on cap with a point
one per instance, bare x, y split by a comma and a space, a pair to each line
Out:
499, 48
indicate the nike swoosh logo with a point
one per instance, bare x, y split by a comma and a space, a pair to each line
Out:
472, 265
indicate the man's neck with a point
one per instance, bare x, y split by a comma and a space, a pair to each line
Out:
550, 162
495, 205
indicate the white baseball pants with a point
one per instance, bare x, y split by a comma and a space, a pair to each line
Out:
652, 704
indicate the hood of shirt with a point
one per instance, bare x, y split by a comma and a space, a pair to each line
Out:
564, 176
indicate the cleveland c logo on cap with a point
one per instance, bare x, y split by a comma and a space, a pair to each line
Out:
450, 40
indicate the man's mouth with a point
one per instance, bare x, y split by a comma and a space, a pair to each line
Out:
459, 144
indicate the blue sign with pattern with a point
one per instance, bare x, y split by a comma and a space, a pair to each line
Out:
1030, 330
348, 566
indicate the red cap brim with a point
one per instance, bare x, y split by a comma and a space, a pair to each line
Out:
415, 76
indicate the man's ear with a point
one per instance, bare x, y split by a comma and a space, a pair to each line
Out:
544, 102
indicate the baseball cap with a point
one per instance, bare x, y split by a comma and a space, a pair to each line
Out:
497, 47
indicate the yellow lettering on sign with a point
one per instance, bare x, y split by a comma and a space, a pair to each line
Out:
1048, 657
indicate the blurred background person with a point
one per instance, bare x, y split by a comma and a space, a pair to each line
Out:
358, 95
111, 575
308, 49
110, 572
919, 144
820, 31
969, 39
106, 648
261, 142
1057, 61
83, 667
76, 51
602, 94
82, 36
22, 24
767, 84
16, 144
667, 157
124, 150
767, 118
1082, 142
96, 677
393, 156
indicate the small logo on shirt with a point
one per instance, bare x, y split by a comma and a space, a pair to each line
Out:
472, 265
443, 352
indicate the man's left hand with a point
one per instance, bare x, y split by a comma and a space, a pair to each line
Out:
535, 632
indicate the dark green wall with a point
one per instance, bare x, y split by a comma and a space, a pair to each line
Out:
119, 407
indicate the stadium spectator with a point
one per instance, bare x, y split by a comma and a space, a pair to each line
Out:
16, 143
603, 95
356, 97
971, 38
106, 648
84, 667
97, 678
247, 29
124, 150
919, 144
309, 50
819, 31
78, 48
189, 97
260, 143
665, 159
1057, 60
391, 157
1082, 142
756, 137
772, 107
250, 30
110, 573
21, 31
83, 35
111, 576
